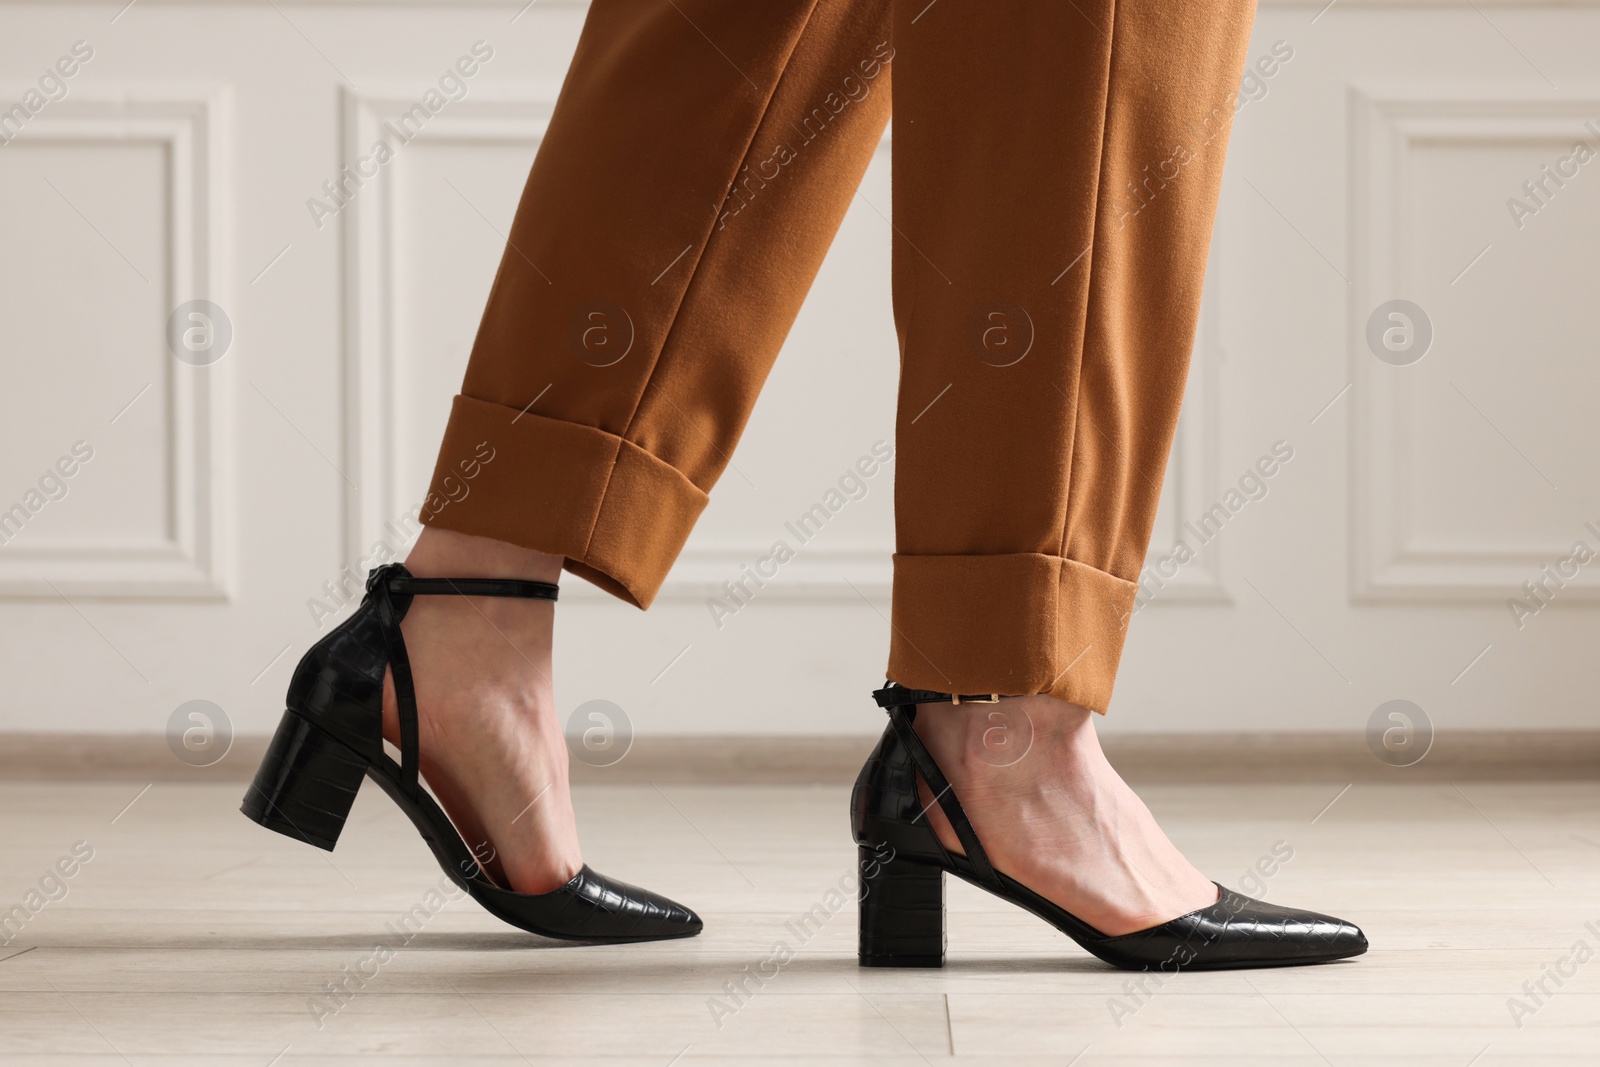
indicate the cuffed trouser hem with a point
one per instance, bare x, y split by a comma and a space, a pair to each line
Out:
618, 514
1012, 624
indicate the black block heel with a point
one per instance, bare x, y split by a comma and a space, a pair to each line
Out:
902, 907
902, 912
332, 736
305, 784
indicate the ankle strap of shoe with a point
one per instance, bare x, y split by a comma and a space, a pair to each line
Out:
391, 581
901, 703
396, 579
895, 695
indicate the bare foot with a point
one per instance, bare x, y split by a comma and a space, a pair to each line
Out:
491, 743
1053, 814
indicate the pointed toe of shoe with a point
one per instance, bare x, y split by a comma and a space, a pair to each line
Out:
1303, 937
1290, 935
683, 922
592, 907
1343, 939
1241, 931
634, 914
657, 917
1237, 931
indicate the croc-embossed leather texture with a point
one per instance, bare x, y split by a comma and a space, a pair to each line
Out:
331, 736
903, 864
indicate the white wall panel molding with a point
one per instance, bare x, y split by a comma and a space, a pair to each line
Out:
1388, 126
189, 125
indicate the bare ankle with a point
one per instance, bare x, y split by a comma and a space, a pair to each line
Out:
977, 736
448, 554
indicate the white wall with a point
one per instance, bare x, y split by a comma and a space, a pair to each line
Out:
1376, 165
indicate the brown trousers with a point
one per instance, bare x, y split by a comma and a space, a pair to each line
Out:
1056, 167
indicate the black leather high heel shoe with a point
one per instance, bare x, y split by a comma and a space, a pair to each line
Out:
332, 734
902, 902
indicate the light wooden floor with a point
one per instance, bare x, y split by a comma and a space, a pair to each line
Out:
196, 937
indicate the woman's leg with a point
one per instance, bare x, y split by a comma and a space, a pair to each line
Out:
697, 166
1056, 170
